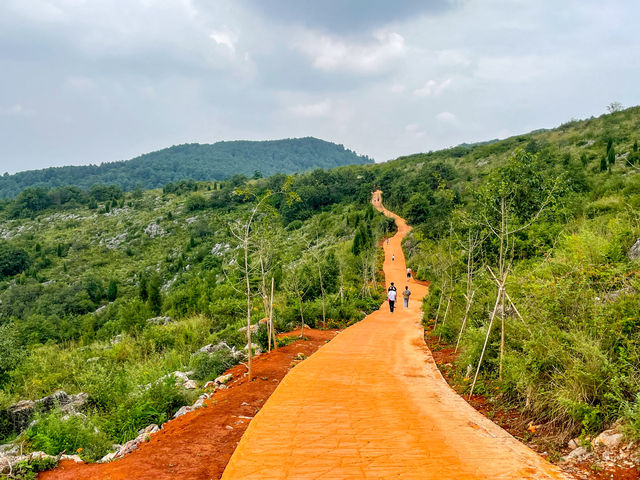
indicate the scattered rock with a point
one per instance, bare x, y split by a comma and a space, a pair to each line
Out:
182, 376
182, 411
254, 328
214, 348
117, 339
254, 348
74, 458
108, 457
189, 385
93, 359
579, 453
223, 379
573, 444
160, 320
154, 230
609, 439
300, 356
210, 385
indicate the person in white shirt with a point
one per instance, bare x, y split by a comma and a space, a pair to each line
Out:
392, 295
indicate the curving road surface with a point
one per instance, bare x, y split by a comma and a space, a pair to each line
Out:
371, 404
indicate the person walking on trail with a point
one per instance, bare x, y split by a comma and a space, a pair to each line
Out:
408, 273
392, 287
406, 293
391, 295
387, 240
393, 257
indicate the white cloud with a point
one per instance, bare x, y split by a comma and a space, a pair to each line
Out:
320, 109
331, 54
432, 88
447, 117
222, 38
16, 110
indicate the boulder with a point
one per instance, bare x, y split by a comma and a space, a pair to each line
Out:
573, 444
223, 379
634, 251
254, 328
180, 376
214, 348
198, 404
579, 453
182, 411
162, 320
9, 449
58, 398
74, 458
190, 385
149, 429
609, 439
210, 385
108, 457
20, 414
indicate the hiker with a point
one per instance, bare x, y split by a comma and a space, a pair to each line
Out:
393, 257
406, 294
387, 240
408, 273
392, 287
391, 295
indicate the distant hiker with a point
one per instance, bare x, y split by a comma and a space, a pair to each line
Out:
406, 294
408, 273
391, 295
387, 240
393, 257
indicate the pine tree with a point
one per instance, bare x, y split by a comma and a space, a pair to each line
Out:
357, 243
112, 291
609, 145
59, 251
603, 164
155, 297
635, 146
143, 288
611, 156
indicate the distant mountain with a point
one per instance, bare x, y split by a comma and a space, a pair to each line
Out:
195, 161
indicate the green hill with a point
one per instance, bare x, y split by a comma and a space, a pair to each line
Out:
218, 161
81, 273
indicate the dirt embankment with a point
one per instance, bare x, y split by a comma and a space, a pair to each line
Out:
198, 445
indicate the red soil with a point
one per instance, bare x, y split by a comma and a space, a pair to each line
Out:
198, 445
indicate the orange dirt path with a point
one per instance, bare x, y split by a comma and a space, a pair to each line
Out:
372, 404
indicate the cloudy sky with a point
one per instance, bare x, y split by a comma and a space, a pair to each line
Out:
88, 81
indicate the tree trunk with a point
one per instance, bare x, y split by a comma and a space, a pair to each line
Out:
301, 316
271, 330
246, 276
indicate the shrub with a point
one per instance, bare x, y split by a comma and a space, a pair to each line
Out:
53, 434
207, 366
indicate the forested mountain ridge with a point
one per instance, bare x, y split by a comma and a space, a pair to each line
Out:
218, 161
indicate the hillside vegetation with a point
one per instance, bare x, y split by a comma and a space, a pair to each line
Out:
219, 161
552, 214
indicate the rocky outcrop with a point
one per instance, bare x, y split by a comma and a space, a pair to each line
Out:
634, 251
144, 435
160, 320
20, 414
8, 462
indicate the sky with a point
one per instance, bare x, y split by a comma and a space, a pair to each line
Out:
89, 81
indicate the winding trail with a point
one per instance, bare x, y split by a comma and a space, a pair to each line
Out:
372, 404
